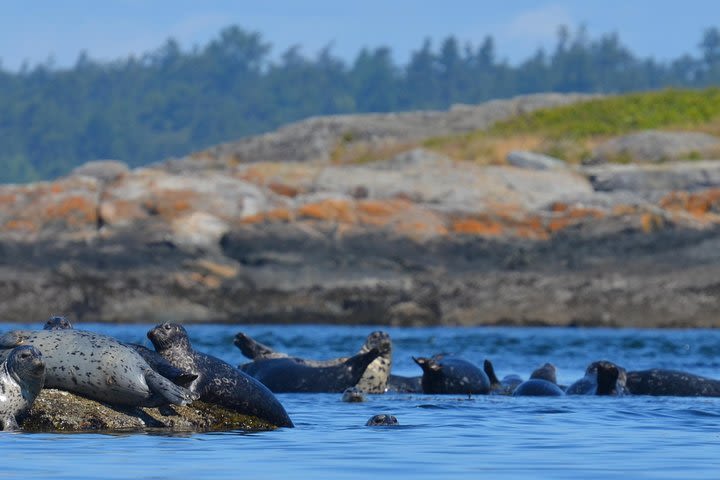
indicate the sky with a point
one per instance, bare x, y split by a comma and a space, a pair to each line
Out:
37, 30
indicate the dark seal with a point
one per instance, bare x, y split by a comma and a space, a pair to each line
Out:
373, 380
542, 383
402, 384
671, 383
285, 375
217, 382
22, 376
448, 374
601, 378
382, 420
98, 367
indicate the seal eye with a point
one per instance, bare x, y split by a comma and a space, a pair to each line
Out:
167, 327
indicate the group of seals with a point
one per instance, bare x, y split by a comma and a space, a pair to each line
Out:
22, 376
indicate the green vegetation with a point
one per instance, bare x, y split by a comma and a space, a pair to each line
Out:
570, 132
171, 102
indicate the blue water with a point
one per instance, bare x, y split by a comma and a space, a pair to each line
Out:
439, 436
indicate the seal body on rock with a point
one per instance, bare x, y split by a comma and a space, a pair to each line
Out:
98, 367
373, 380
671, 383
22, 376
506, 386
445, 373
601, 378
542, 383
285, 375
154, 359
217, 381
382, 420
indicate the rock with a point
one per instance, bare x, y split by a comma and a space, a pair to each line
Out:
199, 229
103, 170
656, 147
533, 161
654, 179
60, 411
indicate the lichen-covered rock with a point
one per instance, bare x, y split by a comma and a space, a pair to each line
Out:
60, 411
656, 146
533, 160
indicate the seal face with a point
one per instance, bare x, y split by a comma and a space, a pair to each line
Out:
217, 382
285, 375
22, 376
373, 380
671, 383
601, 378
382, 420
57, 323
353, 395
98, 367
445, 373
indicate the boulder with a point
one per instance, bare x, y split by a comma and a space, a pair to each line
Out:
60, 411
655, 147
533, 161
102, 170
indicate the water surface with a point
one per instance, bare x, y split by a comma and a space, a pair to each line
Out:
439, 436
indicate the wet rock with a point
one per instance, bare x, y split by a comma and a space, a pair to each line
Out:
59, 411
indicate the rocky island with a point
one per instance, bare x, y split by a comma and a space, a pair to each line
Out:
459, 217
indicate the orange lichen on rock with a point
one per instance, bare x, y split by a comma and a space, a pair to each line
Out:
568, 215
274, 215
697, 204
651, 222
284, 189
21, 225
333, 210
379, 213
75, 210
169, 203
482, 227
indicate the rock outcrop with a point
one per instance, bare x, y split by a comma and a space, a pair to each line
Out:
275, 229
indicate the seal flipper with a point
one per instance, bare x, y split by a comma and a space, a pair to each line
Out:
158, 363
166, 391
252, 349
489, 370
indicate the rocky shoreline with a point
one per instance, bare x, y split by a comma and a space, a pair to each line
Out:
270, 230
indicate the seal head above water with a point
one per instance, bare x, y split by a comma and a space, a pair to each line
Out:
542, 383
22, 376
382, 420
217, 381
601, 378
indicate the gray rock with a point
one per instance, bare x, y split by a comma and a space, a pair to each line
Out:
534, 161
103, 170
655, 147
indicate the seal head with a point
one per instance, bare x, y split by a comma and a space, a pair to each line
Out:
22, 376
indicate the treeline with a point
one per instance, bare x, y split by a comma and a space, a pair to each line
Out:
171, 101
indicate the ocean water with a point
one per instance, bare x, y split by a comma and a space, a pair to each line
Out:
448, 436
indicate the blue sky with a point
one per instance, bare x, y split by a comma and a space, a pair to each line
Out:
34, 30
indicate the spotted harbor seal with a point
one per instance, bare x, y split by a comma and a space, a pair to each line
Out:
154, 359
217, 382
601, 378
98, 367
22, 376
445, 373
506, 386
353, 395
542, 383
285, 375
382, 420
671, 383
373, 380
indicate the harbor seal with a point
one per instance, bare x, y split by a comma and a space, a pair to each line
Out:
217, 381
285, 375
373, 380
601, 378
445, 373
353, 395
542, 383
22, 376
98, 367
671, 383
154, 359
382, 420
401, 384
506, 386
